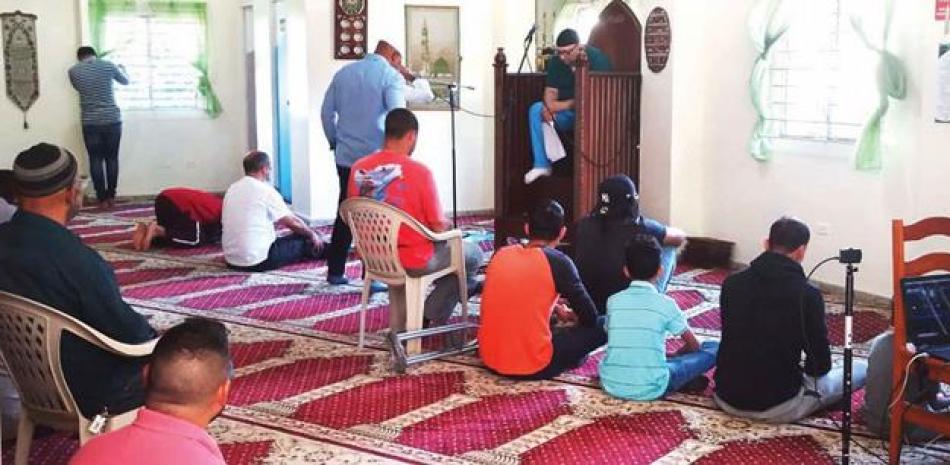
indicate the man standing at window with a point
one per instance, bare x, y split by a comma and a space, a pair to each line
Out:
354, 110
101, 119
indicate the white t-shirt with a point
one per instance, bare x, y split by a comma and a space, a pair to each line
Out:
251, 207
6, 211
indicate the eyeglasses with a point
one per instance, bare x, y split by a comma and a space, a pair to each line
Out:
566, 51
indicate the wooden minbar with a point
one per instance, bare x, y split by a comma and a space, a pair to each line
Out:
606, 136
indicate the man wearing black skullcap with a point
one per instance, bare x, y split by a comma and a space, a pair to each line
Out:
557, 108
43, 261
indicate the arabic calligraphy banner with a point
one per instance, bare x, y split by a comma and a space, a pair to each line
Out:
21, 67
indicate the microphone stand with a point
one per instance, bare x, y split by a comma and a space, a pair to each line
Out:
455, 212
848, 360
524, 57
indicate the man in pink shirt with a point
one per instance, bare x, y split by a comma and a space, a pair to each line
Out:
187, 384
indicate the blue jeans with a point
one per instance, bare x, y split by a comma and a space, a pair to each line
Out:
684, 368
668, 260
563, 121
102, 143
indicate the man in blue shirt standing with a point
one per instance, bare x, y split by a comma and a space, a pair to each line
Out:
354, 111
101, 119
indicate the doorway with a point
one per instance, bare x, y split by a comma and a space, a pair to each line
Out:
283, 170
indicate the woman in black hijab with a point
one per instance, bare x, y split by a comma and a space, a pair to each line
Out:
603, 235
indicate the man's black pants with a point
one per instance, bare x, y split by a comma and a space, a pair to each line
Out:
342, 237
571, 345
180, 229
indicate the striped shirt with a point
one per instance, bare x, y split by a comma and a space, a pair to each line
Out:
638, 320
93, 80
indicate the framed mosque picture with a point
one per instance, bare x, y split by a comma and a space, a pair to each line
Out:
433, 50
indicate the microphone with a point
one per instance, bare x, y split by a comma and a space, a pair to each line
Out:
850, 256
530, 36
453, 85
548, 51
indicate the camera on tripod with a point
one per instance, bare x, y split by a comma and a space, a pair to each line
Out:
849, 256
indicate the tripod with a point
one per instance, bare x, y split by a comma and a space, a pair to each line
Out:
848, 257
848, 360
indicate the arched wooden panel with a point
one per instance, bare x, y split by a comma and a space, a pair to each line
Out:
619, 35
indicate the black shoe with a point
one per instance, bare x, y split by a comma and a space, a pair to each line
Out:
696, 385
338, 280
477, 288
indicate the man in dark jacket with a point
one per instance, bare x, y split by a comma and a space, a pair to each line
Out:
42, 261
770, 316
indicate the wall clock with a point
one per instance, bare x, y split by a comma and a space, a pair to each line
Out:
349, 42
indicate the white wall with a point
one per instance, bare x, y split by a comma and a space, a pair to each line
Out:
484, 26
738, 197
159, 149
55, 116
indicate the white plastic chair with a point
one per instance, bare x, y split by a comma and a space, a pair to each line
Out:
30, 335
375, 226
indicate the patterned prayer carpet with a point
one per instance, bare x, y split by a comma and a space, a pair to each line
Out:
305, 394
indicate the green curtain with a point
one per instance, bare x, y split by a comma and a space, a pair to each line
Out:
768, 21
100, 9
891, 83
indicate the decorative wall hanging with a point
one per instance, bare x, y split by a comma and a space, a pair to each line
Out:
21, 66
350, 29
656, 39
432, 50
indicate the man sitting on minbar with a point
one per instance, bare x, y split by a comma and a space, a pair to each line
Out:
558, 105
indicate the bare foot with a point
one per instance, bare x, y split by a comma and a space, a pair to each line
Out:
151, 232
138, 236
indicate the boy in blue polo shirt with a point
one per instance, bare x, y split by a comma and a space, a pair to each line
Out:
637, 366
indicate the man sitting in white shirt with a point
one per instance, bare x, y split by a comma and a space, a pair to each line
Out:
251, 207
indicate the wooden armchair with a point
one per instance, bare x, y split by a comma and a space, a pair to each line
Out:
936, 370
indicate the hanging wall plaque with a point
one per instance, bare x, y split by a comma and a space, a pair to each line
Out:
656, 39
350, 29
20, 60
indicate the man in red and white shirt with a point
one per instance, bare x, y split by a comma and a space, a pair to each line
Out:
183, 217
391, 176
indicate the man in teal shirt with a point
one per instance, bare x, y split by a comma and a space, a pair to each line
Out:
558, 104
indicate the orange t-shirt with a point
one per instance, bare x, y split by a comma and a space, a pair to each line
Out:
515, 333
407, 185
